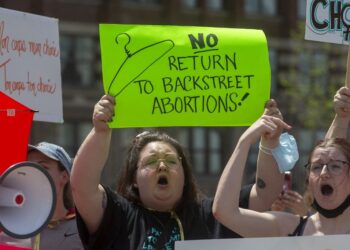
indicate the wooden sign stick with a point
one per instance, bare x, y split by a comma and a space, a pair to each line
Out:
347, 75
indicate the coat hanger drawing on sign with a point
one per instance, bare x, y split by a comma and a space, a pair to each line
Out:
136, 62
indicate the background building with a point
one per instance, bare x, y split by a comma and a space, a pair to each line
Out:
306, 66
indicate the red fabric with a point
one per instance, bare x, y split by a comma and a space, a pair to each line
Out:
5, 247
15, 124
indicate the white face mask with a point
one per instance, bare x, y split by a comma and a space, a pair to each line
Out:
286, 153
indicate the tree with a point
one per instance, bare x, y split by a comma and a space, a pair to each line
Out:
309, 81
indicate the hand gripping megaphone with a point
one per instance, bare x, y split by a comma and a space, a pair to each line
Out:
27, 200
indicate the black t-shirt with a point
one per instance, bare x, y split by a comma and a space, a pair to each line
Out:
129, 226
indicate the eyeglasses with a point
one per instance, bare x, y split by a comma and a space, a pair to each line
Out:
171, 161
335, 167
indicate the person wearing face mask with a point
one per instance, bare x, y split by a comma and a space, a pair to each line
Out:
157, 200
328, 180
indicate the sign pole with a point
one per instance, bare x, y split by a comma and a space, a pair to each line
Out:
347, 75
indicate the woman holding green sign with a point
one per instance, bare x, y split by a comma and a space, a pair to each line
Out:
158, 201
328, 179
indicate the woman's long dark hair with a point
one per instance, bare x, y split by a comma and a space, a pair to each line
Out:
125, 186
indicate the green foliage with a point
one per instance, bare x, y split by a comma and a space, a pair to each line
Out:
312, 74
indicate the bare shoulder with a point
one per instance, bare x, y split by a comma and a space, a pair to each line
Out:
287, 222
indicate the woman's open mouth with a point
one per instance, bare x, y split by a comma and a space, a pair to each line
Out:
327, 189
162, 180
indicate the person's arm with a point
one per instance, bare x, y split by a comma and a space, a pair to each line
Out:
89, 195
248, 223
340, 123
269, 181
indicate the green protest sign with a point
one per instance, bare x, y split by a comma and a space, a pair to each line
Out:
184, 76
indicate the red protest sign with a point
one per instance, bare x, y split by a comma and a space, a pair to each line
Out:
15, 124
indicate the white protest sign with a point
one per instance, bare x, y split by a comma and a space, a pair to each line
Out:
329, 242
328, 21
30, 70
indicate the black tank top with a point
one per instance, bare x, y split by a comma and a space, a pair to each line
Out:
299, 230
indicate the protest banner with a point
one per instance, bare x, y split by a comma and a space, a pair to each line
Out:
16, 122
184, 76
30, 69
329, 21
327, 242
